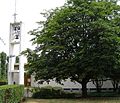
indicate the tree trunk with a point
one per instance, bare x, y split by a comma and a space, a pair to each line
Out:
84, 88
97, 87
115, 85
98, 83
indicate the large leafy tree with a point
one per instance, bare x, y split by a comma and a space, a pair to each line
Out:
79, 41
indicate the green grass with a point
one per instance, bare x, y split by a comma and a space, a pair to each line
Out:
87, 100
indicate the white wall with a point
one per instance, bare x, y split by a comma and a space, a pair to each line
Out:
69, 84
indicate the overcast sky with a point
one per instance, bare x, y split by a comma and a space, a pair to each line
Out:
28, 12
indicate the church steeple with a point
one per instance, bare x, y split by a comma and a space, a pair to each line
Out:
15, 41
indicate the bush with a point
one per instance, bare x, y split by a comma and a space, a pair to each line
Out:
11, 93
43, 92
48, 92
104, 94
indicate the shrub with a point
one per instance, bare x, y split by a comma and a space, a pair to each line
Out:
104, 94
51, 92
11, 93
43, 92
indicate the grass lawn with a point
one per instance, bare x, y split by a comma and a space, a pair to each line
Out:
87, 100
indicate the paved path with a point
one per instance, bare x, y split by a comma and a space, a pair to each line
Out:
33, 101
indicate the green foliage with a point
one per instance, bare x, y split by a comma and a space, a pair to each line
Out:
51, 92
79, 41
104, 94
11, 93
3, 67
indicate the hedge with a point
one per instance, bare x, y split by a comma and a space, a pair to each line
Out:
104, 94
11, 93
49, 92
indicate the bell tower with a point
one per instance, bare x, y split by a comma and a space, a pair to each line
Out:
15, 47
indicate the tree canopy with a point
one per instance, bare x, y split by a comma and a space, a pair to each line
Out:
79, 41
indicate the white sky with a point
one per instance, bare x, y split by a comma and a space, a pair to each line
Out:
28, 12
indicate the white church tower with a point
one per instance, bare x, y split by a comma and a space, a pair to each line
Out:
14, 47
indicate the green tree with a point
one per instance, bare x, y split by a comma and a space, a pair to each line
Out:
3, 67
78, 41
115, 78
